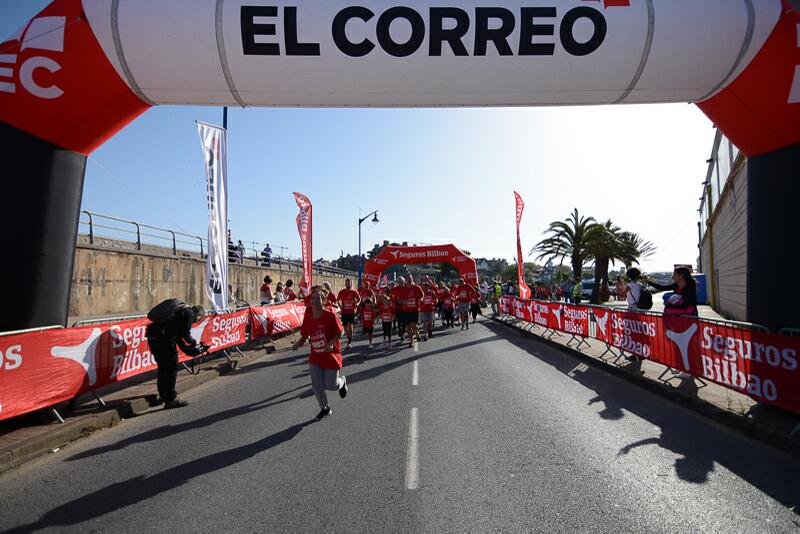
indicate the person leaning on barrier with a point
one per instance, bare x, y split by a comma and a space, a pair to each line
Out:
683, 300
632, 291
171, 327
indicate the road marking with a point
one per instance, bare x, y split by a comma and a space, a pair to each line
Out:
415, 373
412, 462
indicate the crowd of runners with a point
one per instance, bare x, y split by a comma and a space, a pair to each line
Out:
404, 310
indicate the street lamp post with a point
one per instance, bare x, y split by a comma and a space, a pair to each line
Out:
375, 220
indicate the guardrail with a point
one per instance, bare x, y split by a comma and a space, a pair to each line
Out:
171, 237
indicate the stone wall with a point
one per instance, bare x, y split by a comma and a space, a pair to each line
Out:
109, 281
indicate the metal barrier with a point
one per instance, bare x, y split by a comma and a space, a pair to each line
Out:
138, 232
29, 330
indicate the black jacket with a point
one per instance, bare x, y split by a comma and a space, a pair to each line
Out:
177, 332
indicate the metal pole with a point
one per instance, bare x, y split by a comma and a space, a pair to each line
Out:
360, 267
225, 117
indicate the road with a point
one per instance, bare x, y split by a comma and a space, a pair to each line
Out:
500, 432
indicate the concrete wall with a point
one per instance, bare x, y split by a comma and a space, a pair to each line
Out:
110, 280
727, 231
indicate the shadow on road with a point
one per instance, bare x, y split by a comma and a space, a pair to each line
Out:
138, 489
699, 444
170, 430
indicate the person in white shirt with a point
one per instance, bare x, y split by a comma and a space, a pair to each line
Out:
633, 290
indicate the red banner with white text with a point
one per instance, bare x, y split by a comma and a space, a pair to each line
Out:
271, 320
524, 290
39, 369
761, 365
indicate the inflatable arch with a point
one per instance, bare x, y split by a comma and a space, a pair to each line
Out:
82, 69
429, 254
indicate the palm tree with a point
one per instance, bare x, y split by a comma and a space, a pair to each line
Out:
612, 245
569, 239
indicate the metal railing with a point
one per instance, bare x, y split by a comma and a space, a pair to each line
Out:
138, 231
251, 257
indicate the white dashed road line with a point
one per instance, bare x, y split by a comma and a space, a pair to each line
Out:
415, 373
412, 462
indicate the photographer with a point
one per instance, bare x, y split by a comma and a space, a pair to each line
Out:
172, 328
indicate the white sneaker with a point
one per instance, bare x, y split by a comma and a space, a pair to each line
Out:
370, 346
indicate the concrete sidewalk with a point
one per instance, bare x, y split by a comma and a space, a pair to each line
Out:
27, 437
729, 407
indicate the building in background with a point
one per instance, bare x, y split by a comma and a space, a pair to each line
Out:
723, 230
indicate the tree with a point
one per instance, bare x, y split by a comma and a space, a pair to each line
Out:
569, 239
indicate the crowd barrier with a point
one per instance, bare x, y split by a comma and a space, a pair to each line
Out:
43, 367
745, 358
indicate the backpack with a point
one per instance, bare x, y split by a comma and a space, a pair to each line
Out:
645, 300
164, 312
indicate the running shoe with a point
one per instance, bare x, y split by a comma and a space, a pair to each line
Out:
343, 388
323, 413
177, 403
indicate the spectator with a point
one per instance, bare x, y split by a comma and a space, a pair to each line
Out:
240, 252
266, 291
632, 292
568, 285
231, 249
288, 292
605, 292
280, 297
577, 291
683, 300
266, 256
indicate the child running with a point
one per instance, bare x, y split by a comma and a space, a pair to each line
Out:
368, 314
448, 306
323, 327
387, 317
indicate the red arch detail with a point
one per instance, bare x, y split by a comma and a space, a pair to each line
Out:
430, 254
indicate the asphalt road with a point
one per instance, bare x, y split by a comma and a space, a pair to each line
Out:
501, 432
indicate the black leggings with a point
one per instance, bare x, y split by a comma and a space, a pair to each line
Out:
448, 317
387, 330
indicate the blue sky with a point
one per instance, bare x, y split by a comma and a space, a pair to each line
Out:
436, 175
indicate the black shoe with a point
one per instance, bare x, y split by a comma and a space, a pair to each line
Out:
323, 413
177, 403
343, 388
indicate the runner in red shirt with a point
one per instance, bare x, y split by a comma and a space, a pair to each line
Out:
387, 308
412, 299
364, 293
330, 300
348, 302
323, 328
368, 315
448, 306
429, 300
464, 294
400, 314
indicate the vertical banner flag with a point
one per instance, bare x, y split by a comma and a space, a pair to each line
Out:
215, 154
304, 228
524, 290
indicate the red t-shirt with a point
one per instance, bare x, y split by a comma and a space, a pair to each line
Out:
330, 301
387, 312
448, 303
441, 291
397, 295
290, 295
412, 298
365, 293
465, 293
319, 331
348, 300
368, 317
429, 301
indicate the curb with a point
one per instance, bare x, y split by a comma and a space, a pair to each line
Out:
731, 420
57, 436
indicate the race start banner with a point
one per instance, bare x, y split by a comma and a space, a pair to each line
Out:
524, 290
40, 369
760, 365
215, 153
305, 229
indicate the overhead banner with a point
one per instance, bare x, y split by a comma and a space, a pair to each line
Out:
305, 229
395, 255
44, 368
214, 142
524, 290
